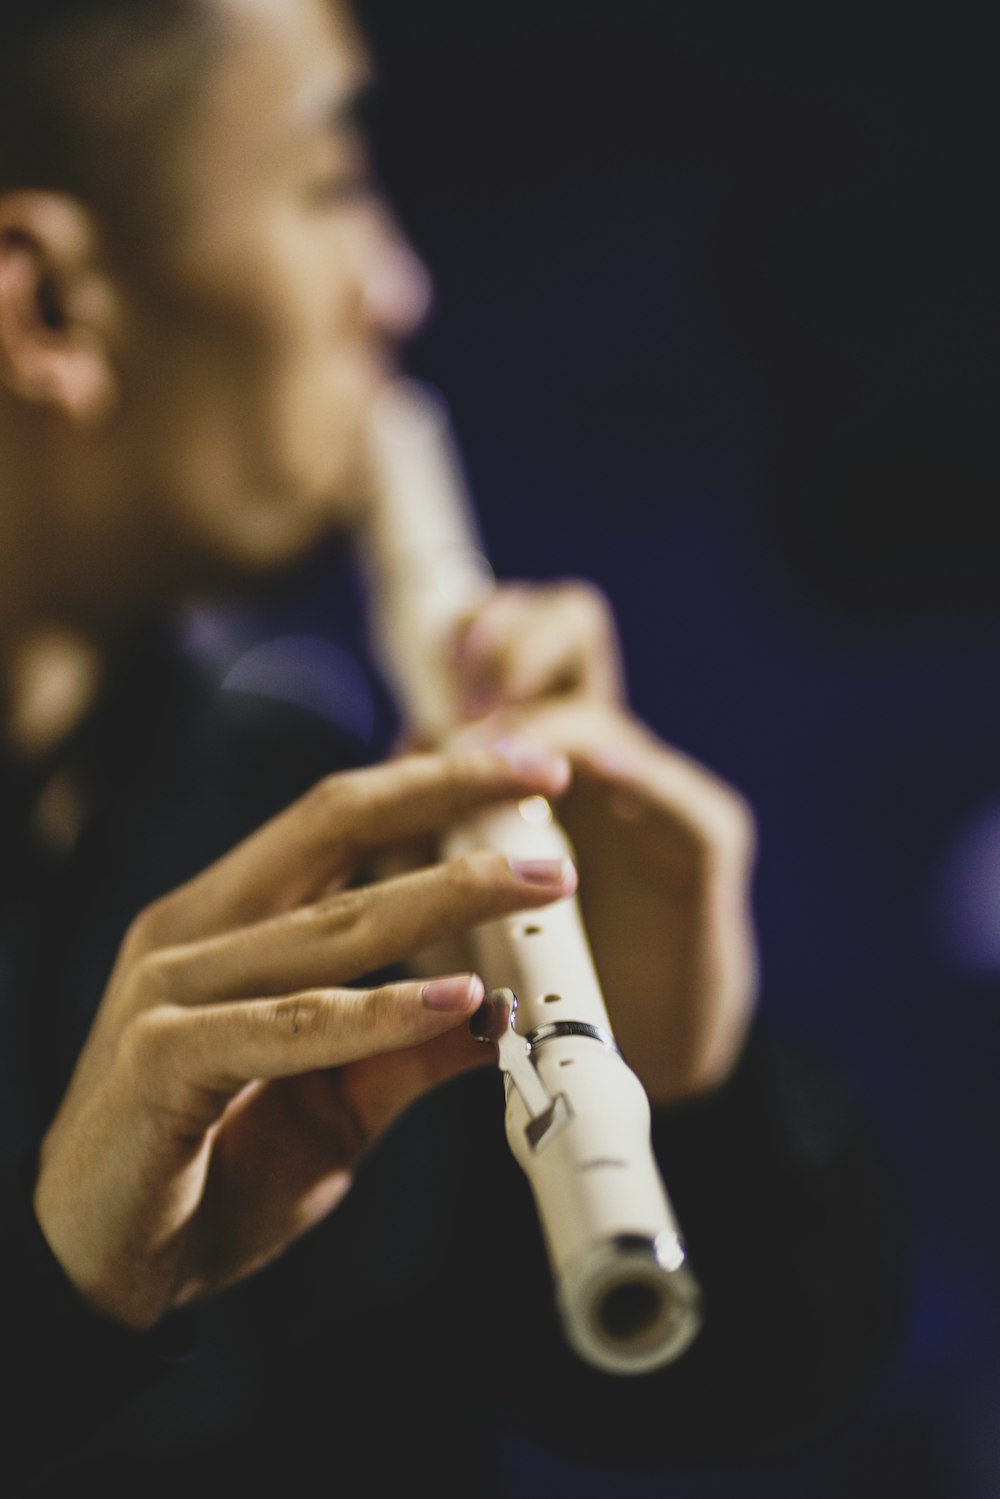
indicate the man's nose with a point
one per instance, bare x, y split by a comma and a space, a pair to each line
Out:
396, 286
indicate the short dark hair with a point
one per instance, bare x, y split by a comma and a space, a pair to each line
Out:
91, 94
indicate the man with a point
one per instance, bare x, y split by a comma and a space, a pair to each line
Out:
246, 1232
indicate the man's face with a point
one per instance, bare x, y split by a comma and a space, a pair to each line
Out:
259, 343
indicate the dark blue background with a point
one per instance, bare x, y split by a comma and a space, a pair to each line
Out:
716, 299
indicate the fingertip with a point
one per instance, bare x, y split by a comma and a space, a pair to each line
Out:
534, 761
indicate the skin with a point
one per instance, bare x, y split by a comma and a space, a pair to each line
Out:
183, 428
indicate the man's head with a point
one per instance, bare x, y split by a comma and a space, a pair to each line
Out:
92, 93
200, 288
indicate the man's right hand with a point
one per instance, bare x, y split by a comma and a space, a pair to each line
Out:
231, 1082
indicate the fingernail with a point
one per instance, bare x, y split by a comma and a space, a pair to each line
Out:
528, 758
542, 871
455, 993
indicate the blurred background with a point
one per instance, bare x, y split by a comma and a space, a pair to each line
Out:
716, 315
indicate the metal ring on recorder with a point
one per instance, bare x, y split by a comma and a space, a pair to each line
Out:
572, 1028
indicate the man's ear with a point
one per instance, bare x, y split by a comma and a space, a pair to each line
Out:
58, 307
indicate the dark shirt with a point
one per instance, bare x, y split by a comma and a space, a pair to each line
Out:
377, 1351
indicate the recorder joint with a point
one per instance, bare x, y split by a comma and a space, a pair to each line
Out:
494, 1021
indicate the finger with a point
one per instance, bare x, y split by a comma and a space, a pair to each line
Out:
650, 780
221, 1048
651, 784
477, 642
527, 643
285, 1153
555, 654
377, 1089
323, 836
352, 933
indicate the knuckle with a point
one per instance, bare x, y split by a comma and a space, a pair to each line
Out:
155, 978
508, 600
731, 844
461, 883
474, 767
483, 881
170, 1064
302, 1017
339, 801
149, 1043
591, 600
325, 801
477, 872
354, 800
375, 1012
148, 928
742, 827
341, 915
